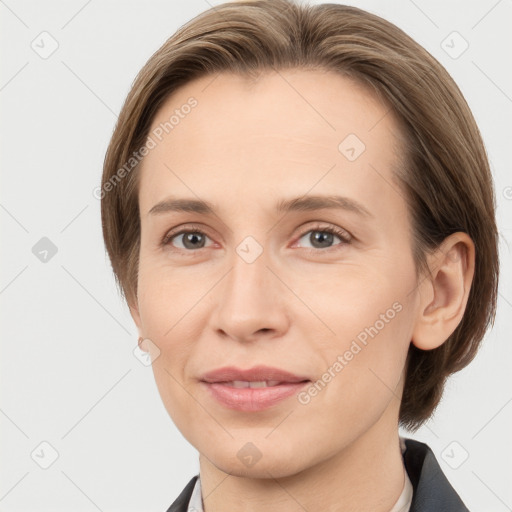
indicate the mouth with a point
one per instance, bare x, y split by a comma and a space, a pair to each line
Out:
241, 384
257, 374
254, 389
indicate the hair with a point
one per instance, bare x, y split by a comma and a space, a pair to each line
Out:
444, 175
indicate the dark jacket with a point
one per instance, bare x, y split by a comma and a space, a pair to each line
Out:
432, 491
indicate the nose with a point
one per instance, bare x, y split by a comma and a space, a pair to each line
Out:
250, 302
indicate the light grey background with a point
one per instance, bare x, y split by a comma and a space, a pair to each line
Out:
68, 373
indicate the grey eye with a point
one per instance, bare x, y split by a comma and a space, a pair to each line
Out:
191, 240
320, 239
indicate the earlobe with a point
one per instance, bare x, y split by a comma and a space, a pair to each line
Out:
444, 294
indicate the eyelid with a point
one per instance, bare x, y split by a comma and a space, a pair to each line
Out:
345, 237
343, 234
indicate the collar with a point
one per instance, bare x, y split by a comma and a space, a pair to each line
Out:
432, 490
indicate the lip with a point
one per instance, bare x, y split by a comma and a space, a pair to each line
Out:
219, 384
256, 373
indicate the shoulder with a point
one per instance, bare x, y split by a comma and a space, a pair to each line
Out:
181, 502
432, 490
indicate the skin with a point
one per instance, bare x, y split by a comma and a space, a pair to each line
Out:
299, 305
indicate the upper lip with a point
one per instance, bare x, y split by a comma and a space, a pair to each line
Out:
254, 374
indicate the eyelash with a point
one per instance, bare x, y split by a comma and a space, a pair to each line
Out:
340, 233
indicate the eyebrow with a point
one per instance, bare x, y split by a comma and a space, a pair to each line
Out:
305, 203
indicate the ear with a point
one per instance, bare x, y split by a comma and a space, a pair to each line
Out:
444, 293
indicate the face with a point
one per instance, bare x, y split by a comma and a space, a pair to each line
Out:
323, 290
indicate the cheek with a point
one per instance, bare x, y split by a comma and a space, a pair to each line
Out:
362, 374
166, 296
163, 307
164, 304
370, 313
357, 297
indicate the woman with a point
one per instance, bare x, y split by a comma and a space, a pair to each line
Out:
299, 212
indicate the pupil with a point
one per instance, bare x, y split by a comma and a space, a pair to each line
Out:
322, 237
191, 238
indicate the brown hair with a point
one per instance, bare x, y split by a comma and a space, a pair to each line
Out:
446, 180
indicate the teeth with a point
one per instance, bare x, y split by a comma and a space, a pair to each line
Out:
254, 384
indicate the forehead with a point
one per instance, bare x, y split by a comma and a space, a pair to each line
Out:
286, 131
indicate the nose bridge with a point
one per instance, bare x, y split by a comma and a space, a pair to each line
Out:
247, 283
249, 300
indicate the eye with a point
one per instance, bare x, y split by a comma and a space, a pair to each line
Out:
322, 237
186, 239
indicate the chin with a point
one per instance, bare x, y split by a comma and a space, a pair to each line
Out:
261, 470
245, 459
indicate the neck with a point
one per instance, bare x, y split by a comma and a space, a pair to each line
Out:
368, 474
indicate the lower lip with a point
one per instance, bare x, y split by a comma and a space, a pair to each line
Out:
252, 399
